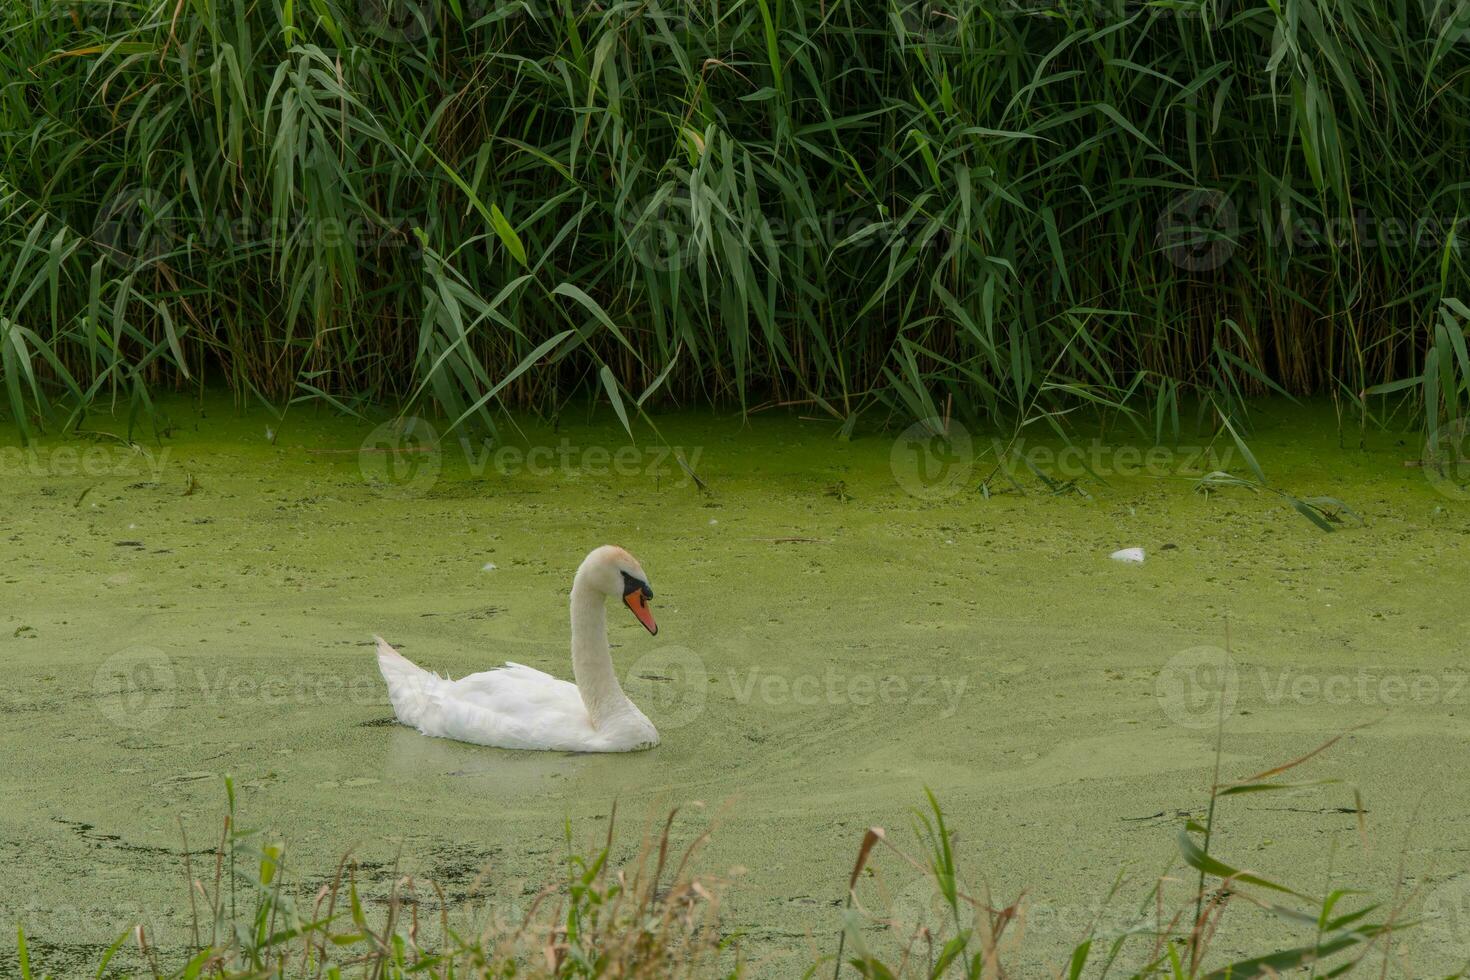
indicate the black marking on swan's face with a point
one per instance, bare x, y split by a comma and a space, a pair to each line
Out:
631, 584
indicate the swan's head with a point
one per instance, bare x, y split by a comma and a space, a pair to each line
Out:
612, 571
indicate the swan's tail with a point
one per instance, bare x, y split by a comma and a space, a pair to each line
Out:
411, 688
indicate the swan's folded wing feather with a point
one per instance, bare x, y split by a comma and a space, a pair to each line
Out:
515, 688
512, 707
509, 672
466, 721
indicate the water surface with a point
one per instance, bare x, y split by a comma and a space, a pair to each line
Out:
831, 644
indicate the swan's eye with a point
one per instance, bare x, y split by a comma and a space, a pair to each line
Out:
632, 584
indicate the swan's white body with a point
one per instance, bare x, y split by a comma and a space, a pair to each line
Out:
519, 707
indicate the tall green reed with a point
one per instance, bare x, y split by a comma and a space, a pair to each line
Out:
1001, 208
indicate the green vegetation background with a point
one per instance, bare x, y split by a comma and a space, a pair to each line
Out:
988, 208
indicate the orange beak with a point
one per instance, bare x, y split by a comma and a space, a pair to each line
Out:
635, 601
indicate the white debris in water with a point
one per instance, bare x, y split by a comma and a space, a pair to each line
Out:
489, 566
1133, 556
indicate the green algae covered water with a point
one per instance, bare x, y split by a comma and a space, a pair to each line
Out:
842, 625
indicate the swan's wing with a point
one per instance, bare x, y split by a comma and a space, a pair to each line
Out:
518, 688
514, 707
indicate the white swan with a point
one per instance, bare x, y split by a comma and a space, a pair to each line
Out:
519, 707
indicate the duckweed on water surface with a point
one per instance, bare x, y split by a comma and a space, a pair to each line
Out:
831, 643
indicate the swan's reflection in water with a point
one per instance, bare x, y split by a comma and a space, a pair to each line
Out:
421, 766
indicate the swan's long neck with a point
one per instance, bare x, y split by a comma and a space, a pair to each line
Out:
592, 664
